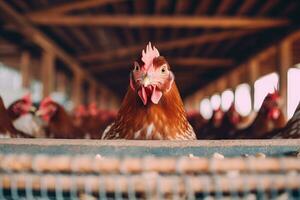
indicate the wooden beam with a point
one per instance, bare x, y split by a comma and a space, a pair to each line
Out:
207, 62
168, 45
25, 69
92, 94
36, 36
77, 88
47, 72
73, 6
158, 21
286, 57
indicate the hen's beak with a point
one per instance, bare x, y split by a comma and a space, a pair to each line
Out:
32, 109
39, 112
146, 81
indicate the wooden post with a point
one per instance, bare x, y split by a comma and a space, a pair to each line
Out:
61, 82
253, 73
48, 70
77, 88
24, 68
92, 92
285, 50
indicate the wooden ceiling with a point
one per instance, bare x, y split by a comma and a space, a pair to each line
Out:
201, 39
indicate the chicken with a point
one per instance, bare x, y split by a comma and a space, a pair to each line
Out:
21, 112
60, 124
292, 128
6, 127
93, 123
230, 122
269, 118
79, 116
197, 121
152, 107
211, 129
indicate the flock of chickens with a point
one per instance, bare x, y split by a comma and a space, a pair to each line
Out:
269, 122
50, 120
152, 109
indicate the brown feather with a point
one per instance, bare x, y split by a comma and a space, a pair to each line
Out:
165, 120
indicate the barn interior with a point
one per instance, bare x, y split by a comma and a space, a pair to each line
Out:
236, 64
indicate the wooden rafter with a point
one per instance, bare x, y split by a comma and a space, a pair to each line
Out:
205, 63
72, 6
158, 21
202, 62
39, 38
173, 44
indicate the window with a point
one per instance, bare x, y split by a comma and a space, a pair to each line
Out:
263, 86
215, 101
243, 99
293, 95
227, 98
206, 109
10, 84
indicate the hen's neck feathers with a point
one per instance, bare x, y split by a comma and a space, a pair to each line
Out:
165, 120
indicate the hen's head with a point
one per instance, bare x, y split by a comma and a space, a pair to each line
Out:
23, 105
153, 77
47, 109
272, 104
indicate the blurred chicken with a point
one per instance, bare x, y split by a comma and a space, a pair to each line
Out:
269, 118
80, 115
197, 121
60, 124
6, 126
152, 107
211, 130
229, 125
21, 112
292, 128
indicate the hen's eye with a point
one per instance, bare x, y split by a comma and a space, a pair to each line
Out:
136, 67
163, 69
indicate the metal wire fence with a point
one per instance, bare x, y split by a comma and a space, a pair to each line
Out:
42, 176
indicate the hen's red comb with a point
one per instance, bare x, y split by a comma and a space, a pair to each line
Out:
46, 100
149, 55
27, 97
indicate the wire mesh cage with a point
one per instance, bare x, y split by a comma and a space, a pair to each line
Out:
73, 174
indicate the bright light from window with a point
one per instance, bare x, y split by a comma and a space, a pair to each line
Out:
243, 99
263, 86
206, 109
293, 95
215, 101
227, 98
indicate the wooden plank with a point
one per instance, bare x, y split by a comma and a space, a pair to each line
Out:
173, 44
73, 6
159, 21
48, 72
25, 69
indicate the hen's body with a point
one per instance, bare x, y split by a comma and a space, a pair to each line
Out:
163, 121
292, 128
6, 126
61, 125
265, 122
